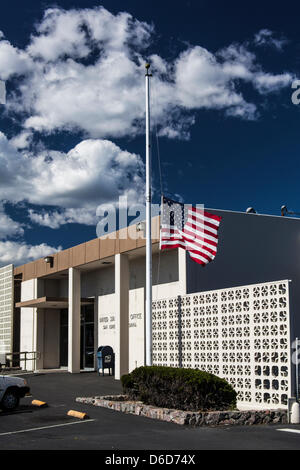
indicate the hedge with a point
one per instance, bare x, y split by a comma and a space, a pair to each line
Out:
179, 388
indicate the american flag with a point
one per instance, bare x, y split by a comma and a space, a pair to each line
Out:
190, 228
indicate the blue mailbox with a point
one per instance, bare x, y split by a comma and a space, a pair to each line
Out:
106, 359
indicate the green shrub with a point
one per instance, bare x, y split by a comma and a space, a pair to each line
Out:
184, 389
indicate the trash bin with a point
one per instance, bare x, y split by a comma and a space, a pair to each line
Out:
106, 359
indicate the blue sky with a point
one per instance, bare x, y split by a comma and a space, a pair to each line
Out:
72, 129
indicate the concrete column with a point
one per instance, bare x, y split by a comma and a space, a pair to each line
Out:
39, 337
74, 321
28, 321
182, 279
122, 315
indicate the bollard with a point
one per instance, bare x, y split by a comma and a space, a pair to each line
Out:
295, 413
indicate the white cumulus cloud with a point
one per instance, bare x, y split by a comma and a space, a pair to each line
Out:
8, 226
54, 219
83, 70
18, 253
94, 172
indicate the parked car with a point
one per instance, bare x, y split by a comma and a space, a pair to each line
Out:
11, 390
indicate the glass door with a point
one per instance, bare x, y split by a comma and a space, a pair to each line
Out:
87, 338
64, 337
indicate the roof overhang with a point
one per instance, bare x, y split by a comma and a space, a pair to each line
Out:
51, 302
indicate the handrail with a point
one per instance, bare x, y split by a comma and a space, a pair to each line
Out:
10, 356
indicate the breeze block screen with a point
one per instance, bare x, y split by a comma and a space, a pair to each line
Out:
241, 334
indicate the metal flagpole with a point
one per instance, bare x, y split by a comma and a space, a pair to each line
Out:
297, 370
148, 227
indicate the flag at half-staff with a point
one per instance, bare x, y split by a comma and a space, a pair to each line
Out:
191, 228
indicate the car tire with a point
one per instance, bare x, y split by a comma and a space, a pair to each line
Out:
10, 401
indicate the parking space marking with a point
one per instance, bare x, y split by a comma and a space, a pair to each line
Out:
296, 431
46, 427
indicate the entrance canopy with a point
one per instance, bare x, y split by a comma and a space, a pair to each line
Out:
51, 302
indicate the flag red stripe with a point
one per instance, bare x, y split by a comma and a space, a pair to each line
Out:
194, 234
190, 247
201, 247
203, 223
210, 242
169, 234
198, 245
217, 218
200, 231
181, 244
199, 261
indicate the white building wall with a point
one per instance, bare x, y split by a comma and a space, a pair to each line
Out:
136, 328
164, 271
107, 320
100, 284
93, 283
166, 283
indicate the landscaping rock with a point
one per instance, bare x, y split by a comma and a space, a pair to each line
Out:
190, 418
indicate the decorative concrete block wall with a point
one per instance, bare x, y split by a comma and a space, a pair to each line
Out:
241, 334
6, 308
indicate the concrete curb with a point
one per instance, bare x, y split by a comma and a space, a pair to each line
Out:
191, 418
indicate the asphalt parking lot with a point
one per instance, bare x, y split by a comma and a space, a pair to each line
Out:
51, 428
